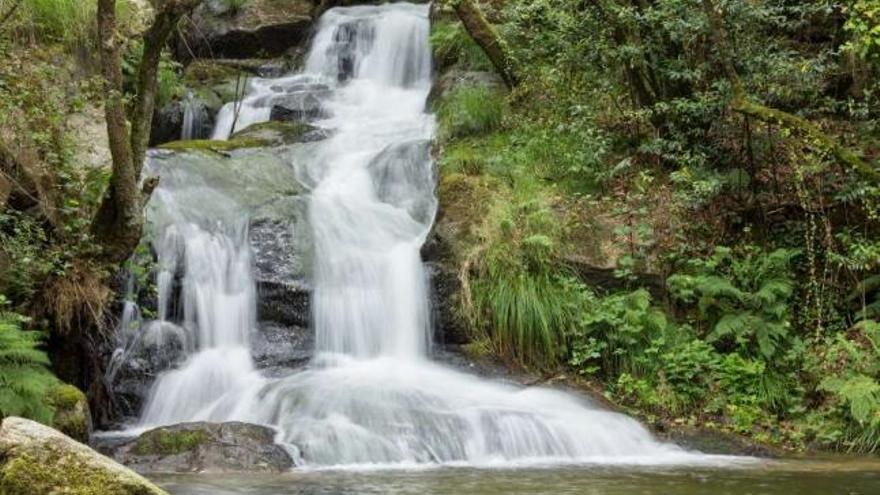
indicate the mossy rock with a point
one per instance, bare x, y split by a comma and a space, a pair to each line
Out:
212, 146
205, 447
72, 416
35, 459
169, 442
280, 133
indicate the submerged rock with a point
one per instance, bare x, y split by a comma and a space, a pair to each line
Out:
35, 459
205, 448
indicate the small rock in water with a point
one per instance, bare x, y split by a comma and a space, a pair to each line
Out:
205, 448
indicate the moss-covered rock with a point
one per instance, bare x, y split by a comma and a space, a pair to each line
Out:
72, 416
211, 146
35, 459
280, 133
205, 447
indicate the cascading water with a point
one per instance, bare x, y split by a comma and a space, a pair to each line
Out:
370, 395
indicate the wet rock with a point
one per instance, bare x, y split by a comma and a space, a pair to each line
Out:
258, 28
72, 416
449, 330
282, 347
167, 123
282, 133
303, 106
157, 347
35, 459
205, 448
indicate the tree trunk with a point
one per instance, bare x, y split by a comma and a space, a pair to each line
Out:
485, 35
118, 225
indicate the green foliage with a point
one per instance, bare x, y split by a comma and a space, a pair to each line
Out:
745, 300
452, 46
67, 21
168, 76
863, 23
471, 111
24, 373
614, 333
850, 374
524, 303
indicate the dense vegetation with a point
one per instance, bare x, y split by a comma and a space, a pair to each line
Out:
676, 200
719, 158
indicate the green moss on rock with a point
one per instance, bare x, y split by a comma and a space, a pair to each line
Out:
215, 146
35, 459
72, 416
278, 133
169, 442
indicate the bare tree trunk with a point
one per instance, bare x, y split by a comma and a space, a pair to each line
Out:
485, 35
118, 225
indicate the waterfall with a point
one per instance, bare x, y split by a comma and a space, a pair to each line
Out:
371, 395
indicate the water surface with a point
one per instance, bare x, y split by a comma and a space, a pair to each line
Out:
818, 477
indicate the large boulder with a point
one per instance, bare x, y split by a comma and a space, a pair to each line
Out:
36, 460
205, 448
258, 28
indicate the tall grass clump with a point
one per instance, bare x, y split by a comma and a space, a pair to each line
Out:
65, 21
470, 111
24, 372
522, 298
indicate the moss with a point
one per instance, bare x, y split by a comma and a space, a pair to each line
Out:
215, 146
276, 132
72, 415
55, 472
169, 442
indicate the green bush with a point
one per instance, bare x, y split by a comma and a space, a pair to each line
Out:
744, 300
471, 110
24, 374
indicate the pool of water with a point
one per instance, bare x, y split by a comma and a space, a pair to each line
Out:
843, 476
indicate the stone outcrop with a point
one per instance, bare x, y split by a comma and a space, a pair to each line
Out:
205, 448
257, 28
35, 459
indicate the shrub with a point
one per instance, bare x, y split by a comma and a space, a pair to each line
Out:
745, 300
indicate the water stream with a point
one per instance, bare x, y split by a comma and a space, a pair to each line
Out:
371, 395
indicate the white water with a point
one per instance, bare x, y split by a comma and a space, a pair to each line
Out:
371, 395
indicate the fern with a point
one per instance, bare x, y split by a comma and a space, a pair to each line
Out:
745, 300
24, 372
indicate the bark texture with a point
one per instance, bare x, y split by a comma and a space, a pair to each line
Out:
119, 222
485, 35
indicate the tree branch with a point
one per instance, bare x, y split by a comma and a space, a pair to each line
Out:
741, 103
